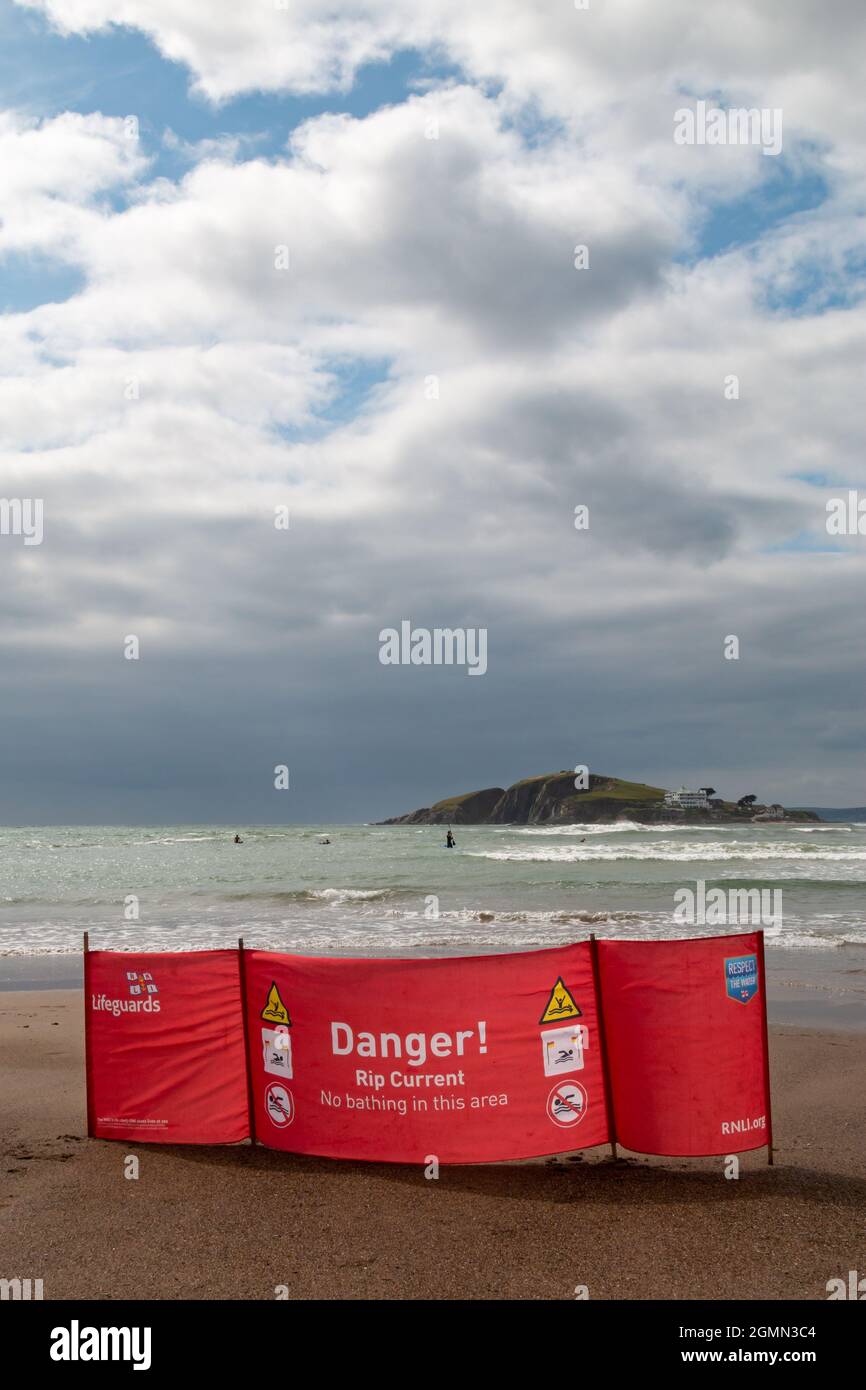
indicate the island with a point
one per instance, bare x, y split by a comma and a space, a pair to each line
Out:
554, 797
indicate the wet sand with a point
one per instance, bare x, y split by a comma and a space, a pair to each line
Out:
239, 1222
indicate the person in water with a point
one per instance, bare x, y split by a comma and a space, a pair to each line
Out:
238, 840
449, 841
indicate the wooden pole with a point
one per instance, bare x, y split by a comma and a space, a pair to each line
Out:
88, 1063
766, 1038
251, 1109
602, 1039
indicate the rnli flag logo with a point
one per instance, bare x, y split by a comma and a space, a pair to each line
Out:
140, 982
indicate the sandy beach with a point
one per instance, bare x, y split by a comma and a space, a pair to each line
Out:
238, 1222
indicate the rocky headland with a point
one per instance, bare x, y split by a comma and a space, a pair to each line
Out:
553, 798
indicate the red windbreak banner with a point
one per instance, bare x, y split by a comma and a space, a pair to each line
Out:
470, 1061
165, 1047
684, 1024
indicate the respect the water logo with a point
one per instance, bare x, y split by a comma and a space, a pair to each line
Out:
741, 977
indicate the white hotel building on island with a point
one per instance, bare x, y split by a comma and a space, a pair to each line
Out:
687, 801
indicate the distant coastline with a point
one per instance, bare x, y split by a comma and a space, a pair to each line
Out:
555, 797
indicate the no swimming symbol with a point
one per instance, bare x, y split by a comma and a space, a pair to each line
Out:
279, 1105
567, 1103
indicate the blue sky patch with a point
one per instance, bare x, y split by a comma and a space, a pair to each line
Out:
785, 191
119, 72
354, 383
26, 281
806, 542
817, 287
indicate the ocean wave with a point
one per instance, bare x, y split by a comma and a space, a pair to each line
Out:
184, 839
822, 829
362, 929
562, 883
306, 895
347, 895
619, 827
789, 883
509, 916
679, 854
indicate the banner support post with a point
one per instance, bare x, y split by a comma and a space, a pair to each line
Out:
251, 1111
766, 1040
602, 1039
88, 1088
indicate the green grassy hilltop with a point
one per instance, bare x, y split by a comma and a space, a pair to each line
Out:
552, 796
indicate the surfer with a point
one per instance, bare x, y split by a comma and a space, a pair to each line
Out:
449, 840
238, 840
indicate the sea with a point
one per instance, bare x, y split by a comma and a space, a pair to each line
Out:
383, 890
397, 891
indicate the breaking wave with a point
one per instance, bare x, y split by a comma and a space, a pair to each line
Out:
679, 854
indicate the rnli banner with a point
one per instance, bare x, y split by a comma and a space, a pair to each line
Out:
458, 1060
658, 1045
685, 1024
165, 1047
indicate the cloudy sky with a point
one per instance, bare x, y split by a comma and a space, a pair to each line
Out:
322, 257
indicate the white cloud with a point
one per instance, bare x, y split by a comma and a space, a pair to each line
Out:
266, 44
450, 257
612, 66
54, 175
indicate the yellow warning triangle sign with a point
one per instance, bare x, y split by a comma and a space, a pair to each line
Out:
560, 1004
275, 1010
